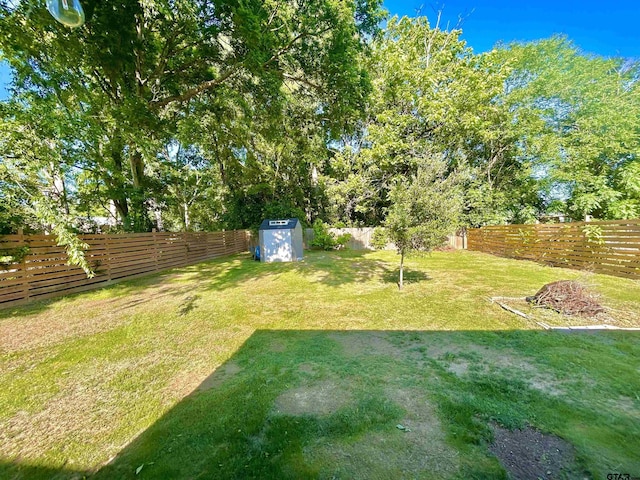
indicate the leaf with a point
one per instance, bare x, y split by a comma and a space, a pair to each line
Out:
139, 469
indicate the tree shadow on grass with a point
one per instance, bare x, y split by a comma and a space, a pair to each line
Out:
359, 404
110, 293
332, 268
409, 276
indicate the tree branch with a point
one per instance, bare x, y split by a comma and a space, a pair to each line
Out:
208, 85
303, 81
233, 70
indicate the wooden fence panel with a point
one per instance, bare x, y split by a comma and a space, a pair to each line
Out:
361, 238
611, 247
43, 271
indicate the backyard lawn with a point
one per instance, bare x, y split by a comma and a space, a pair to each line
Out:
319, 369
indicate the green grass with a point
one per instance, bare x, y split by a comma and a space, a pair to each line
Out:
236, 369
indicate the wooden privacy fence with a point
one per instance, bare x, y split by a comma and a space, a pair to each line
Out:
610, 247
361, 238
43, 272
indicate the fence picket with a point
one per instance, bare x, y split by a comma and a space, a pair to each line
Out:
114, 257
613, 247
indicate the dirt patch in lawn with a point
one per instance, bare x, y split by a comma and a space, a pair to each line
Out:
418, 447
366, 343
624, 405
462, 359
278, 346
458, 358
307, 368
459, 367
222, 374
529, 454
318, 399
424, 437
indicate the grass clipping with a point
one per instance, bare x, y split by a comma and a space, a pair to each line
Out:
567, 297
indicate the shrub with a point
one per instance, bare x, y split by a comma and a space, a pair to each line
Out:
322, 238
379, 239
342, 240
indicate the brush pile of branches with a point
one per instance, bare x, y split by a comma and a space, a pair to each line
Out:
567, 297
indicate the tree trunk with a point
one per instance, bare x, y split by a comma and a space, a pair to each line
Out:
59, 189
401, 283
113, 213
157, 213
122, 208
137, 220
187, 220
115, 182
137, 168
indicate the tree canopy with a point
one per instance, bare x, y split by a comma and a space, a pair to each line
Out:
117, 91
199, 115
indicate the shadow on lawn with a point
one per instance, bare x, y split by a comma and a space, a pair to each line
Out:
227, 272
327, 268
113, 294
327, 404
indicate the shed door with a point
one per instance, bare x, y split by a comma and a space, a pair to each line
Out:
277, 245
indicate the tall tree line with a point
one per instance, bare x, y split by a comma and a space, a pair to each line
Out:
200, 115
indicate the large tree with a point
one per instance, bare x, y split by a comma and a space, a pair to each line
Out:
136, 70
266, 168
430, 94
582, 132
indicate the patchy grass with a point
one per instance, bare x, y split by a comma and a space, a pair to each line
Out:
236, 369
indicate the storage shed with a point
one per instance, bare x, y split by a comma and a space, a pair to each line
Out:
280, 240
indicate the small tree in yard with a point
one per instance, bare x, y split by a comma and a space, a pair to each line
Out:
423, 211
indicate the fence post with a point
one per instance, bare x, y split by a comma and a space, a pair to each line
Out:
224, 241
108, 256
23, 266
155, 248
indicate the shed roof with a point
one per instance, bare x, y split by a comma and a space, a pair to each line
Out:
278, 224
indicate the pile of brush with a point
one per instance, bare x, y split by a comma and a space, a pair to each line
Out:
567, 297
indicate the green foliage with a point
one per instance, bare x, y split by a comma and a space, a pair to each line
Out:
326, 240
62, 229
13, 255
322, 238
593, 234
182, 116
12, 216
580, 121
424, 211
432, 95
379, 238
342, 240
111, 95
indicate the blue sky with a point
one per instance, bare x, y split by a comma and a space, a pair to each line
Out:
4, 80
604, 27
